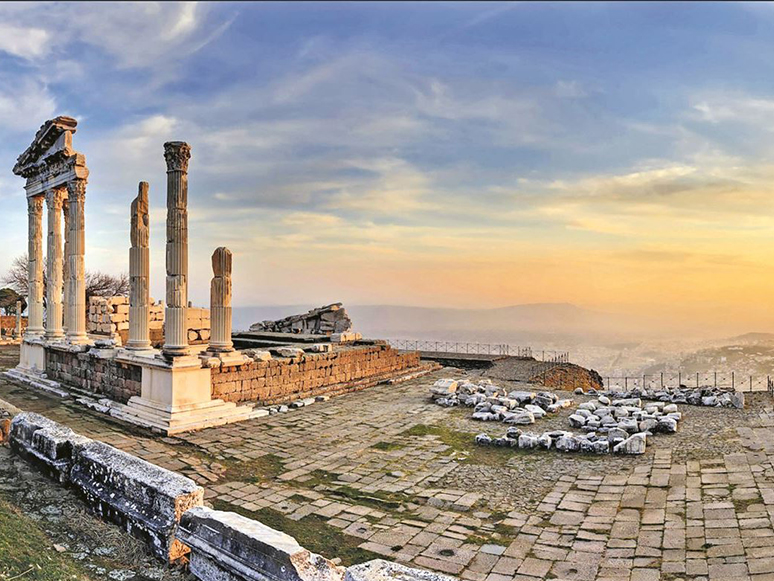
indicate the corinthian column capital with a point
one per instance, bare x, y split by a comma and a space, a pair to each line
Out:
76, 189
177, 154
35, 205
55, 198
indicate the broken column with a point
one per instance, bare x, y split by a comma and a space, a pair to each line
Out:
220, 302
54, 200
76, 198
177, 154
139, 273
35, 266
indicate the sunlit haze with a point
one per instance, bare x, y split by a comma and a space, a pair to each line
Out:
616, 157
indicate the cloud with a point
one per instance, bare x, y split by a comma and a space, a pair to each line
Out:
24, 42
25, 104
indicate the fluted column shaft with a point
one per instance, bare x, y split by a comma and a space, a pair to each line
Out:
35, 266
177, 154
76, 328
220, 301
17, 329
66, 267
54, 200
139, 272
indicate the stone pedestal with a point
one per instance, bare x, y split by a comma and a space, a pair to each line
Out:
176, 396
139, 273
177, 154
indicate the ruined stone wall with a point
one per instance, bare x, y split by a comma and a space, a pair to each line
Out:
8, 324
87, 371
281, 380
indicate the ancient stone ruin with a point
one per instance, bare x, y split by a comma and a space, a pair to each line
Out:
325, 320
168, 366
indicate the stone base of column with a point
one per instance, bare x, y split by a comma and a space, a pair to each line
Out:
223, 358
176, 396
32, 356
140, 346
79, 339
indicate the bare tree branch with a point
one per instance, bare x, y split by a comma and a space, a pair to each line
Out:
98, 284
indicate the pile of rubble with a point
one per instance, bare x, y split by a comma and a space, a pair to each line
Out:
493, 403
704, 396
320, 321
621, 426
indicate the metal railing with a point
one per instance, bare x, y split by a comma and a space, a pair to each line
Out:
718, 379
459, 347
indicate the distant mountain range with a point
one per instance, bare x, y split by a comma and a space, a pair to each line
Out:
541, 322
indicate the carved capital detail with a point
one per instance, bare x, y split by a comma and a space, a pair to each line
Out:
35, 204
177, 154
55, 198
76, 189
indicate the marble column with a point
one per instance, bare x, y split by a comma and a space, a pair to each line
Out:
17, 329
35, 267
66, 268
76, 328
177, 154
220, 302
139, 273
54, 200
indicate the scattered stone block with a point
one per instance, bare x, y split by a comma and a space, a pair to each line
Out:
381, 570
144, 499
226, 546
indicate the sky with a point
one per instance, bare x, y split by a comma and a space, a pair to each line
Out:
614, 156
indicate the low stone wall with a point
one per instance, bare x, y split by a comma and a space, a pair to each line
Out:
90, 372
144, 499
280, 380
166, 510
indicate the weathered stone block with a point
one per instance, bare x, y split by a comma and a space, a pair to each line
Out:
145, 499
229, 547
381, 570
45, 443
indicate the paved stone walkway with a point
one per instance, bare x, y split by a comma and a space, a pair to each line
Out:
401, 478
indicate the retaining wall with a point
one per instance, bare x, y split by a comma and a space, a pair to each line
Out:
284, 379
91, 372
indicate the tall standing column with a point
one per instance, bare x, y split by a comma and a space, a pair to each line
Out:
17, 329
177, 154
76, 328
54, 199
139, 272
66, 267
220, 302
35, 267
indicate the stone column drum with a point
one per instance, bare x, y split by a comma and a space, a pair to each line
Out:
139, 272
177, 154
35, 267
76, 327
220, 302
54, 200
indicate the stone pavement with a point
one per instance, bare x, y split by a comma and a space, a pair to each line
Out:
400, 477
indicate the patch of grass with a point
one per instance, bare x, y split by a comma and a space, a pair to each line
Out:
379, 499
311, 532
27, 553
464, 443
741, 506
261, 469
388, 446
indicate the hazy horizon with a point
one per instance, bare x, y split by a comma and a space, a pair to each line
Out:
617, 157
